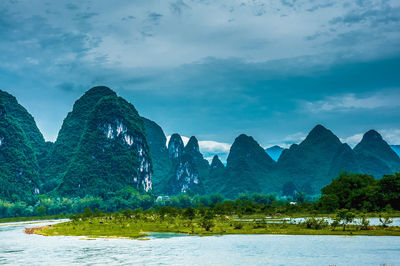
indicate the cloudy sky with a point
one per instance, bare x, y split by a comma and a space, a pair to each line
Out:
214, 69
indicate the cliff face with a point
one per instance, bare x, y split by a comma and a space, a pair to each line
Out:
175, 146
192, 149
185, 176
159, 153
112, 153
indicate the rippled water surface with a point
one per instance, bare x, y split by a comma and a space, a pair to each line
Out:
18, 248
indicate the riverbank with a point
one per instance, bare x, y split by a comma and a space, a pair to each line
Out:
34, 218
137, 228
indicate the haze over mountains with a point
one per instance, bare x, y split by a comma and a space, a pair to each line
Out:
104, 145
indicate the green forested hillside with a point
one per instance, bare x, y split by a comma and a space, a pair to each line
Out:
315, 161
25, 120
19, 168
106, 151
112, 152
69, 136
249, 167
375, 156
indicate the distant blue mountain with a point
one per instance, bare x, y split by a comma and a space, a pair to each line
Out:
396, 149
274, 152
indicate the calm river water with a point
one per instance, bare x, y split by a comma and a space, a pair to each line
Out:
18, 248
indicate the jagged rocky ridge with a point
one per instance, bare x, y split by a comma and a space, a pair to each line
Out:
104, 145
187, 167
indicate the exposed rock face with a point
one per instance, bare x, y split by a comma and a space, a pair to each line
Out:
274, 152
112, 152
185, 176
375, 156
19, 167
192, 149
249, 167
159, 153
175, 146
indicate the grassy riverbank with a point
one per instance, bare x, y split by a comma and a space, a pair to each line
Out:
135, 228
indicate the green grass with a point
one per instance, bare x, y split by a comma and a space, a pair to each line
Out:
136, 228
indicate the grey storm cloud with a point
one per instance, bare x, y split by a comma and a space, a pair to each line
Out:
232, 66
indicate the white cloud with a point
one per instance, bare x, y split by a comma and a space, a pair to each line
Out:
208, 146
351, 102
392, 136
352, 140
214, 146
184, 139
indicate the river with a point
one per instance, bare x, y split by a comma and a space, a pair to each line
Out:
18, 248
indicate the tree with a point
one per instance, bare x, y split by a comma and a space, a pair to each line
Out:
390, 190
127, 213
385, 219
215, 198
350, 191
41, 211
189, 213
345, 216
364, 222
87, 213
207, 221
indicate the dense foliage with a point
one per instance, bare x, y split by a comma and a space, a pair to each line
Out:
356, 192
248, 168
63, 150
361, 192
112, 153
375, 156
105, 152
19, 169
313, 163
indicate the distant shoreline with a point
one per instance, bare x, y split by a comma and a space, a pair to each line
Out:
138, 229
